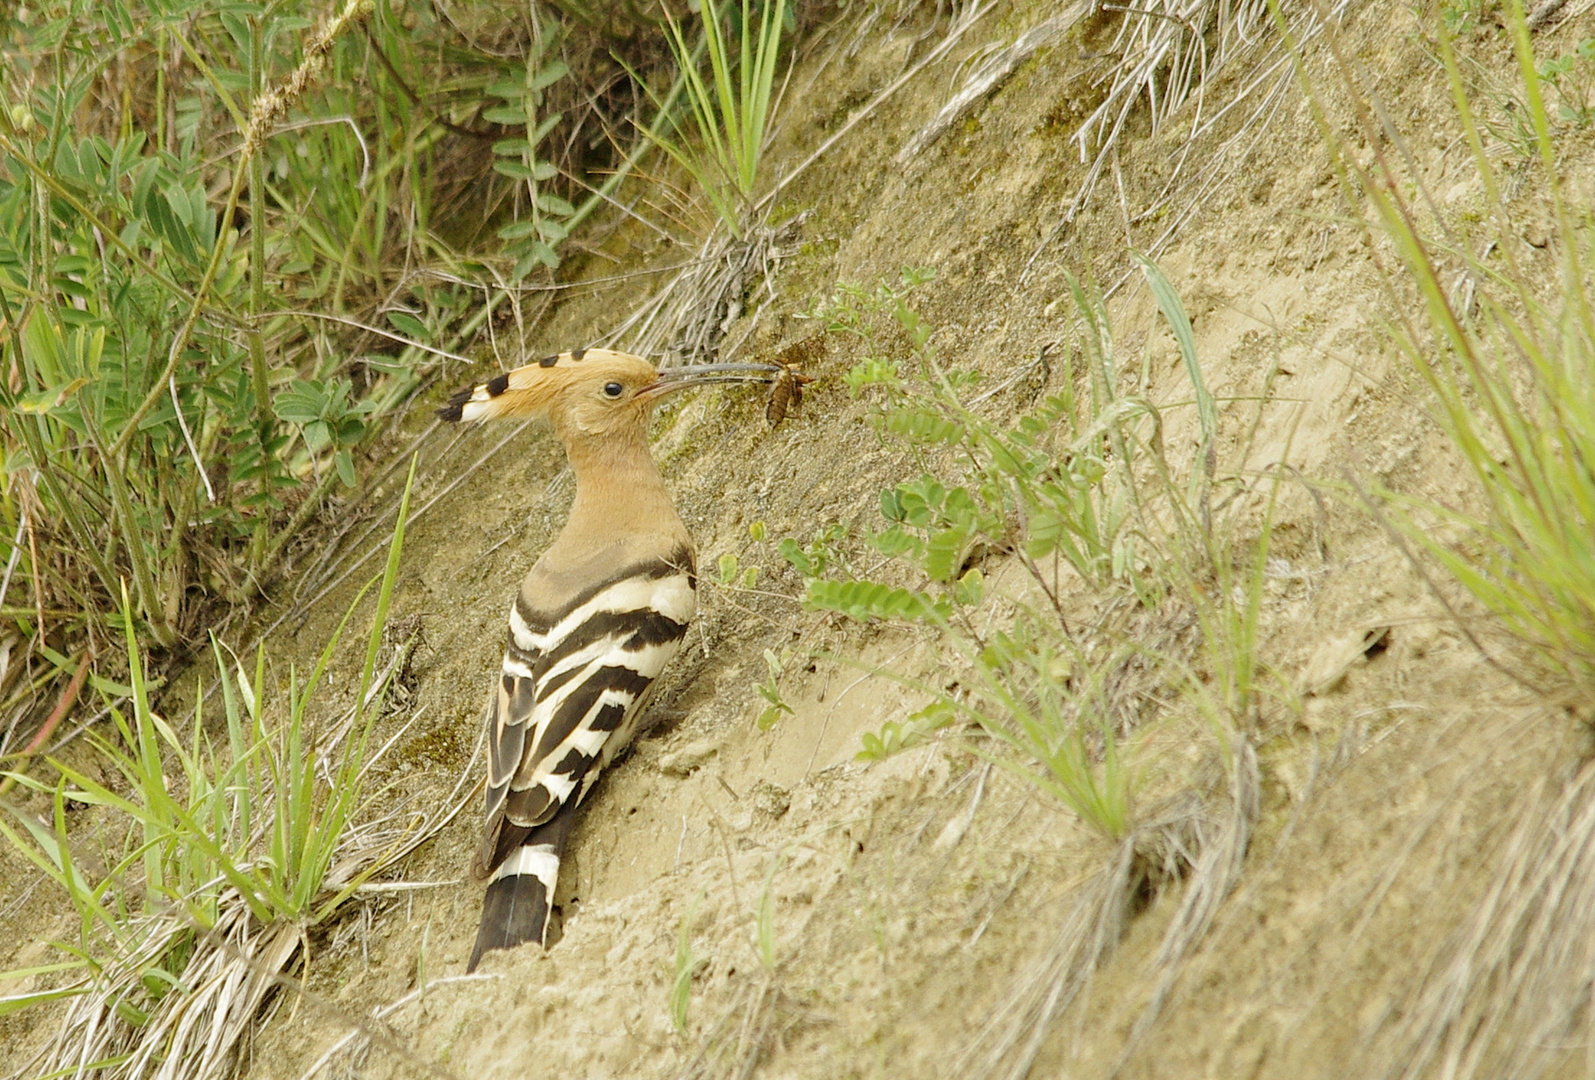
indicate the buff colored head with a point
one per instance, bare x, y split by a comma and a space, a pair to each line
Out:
590, 393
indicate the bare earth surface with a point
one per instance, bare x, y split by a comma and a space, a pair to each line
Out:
903, 898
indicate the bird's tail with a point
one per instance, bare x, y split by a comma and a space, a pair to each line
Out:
520, 892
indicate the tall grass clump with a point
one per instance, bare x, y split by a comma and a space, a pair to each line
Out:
1508, 350
722, 140
217, 853
161, 423
1502, 334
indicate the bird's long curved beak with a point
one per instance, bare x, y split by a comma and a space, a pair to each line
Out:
680, 378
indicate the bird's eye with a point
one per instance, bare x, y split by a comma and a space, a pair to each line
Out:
613, 389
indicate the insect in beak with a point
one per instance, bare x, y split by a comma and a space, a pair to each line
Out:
786, 396
680, 378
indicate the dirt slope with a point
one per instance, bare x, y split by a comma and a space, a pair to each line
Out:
898, 919
904, 897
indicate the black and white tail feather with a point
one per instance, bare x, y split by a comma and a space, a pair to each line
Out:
574, 685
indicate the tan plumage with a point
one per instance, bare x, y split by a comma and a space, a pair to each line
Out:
595, 621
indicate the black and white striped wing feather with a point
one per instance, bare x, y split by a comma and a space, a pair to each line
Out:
571, 693
573, 687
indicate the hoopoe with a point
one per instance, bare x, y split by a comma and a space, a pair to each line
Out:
596, 620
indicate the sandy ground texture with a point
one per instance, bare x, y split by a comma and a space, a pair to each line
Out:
865, 919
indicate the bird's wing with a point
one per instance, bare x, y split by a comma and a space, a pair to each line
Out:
573, 686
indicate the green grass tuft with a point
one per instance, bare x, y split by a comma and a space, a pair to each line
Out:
1510, 360
218, 854
729, 120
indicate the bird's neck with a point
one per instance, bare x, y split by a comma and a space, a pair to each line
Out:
619, 491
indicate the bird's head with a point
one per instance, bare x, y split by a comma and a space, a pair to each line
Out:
590, 393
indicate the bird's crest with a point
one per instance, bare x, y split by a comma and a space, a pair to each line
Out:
530, 390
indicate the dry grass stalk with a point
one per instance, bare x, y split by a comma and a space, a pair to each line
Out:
270, 108
1215, 870
1165, 58
1218, 866
362, 1031
989, 74
192, 1033
1508, 993
1007, 1045
687, 320
962, 22
1188, 840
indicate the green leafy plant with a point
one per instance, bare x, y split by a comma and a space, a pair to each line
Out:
728, 121
534, 238
770, 688
813, 558
894, 737
1078, 485
1010, 496
1461, 16
327, 420
1572, 77
233, 239
148, 317
733, 574
1061, 481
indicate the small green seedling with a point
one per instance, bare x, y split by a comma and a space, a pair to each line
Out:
770, 689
